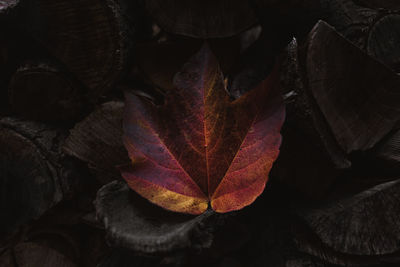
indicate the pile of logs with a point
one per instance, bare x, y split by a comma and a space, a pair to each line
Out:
334, 194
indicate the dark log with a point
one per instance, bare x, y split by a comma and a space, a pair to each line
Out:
388, 4
44, 92
7, 259
361, 105
97, 141
389, 150
90, 37
383, 40
78, 243
349, 19
133, 222
375, 31
304, 115
359, 230
34, 174
30, 254
202, 19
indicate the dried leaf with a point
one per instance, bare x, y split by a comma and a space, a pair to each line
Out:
200, 146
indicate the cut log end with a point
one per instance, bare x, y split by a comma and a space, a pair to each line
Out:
43, 92
202, 19
134, 223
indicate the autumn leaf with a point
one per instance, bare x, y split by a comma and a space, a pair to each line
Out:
201, 147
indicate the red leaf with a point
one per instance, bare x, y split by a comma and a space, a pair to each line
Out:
199, 146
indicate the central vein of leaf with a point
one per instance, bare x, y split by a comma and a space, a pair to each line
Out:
205, 130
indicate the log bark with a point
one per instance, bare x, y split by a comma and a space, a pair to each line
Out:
205, 19
97, 141
367, 232
134, 223
30, 254
34, 174
361, 106
349, 19
388, 4
304, 114
373, 30
90, 37
389, 150
383, 39
42, 91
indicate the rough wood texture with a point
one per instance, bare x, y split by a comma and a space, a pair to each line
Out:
365, 224
134, 223
375, 31
202, 19
97, 141
349, 19
383, 40
361, 105
31, 254
389, 149
88, 36
43, 92
389, 4
34, 175
304, 114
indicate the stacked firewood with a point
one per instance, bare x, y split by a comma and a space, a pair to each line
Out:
333, 198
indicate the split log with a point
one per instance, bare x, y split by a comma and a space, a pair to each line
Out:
361, 105
202, 19
304, 115
90, 37
389, 150
375, 31
359, 230
388, 4
34, 174
134, 223
383, 40
349, 19
97, 141
31, 254
44, 92
77, 244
